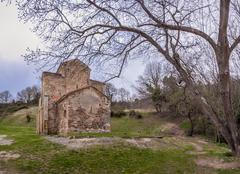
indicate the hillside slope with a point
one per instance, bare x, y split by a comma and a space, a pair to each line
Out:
19, 117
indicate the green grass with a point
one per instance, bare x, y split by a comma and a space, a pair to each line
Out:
19, 118
41, 156
185, 125
127, 127
140, 127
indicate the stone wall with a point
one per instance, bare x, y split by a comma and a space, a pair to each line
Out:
70, 101
53, 87
98, 85
76, 81
86, 110
76, 74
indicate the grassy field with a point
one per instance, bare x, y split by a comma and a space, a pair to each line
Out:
127, 128
41, 156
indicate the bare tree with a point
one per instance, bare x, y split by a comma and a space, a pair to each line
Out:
150, 83
152, 78
111, 31
111, 91
123, 95
29, 94
5, 97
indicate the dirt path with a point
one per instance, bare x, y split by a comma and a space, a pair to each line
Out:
82, 143
172, 129
4, 170
216, 163
4, 140
176, 139
6, 156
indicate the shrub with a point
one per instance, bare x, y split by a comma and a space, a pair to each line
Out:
118, 114
135, 115
17, 108
28, 118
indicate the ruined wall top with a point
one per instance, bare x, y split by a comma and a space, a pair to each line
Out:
74, 66
53, 85
99, 85
70, 76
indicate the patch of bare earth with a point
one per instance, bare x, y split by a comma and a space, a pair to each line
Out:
8, 155
81, 143
176, 140
4, 170
197, 145
4, 140
172, 129
203, 160
216, 163
5, 156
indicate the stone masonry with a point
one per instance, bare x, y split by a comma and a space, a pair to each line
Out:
72, 102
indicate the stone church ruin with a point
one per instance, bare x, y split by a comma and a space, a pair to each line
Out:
72, 102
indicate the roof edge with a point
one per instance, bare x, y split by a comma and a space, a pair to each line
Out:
97, 81
51, 73
73, 92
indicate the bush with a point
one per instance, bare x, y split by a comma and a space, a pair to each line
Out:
11, 108
17, 108
118, 114
135, 115
28, 117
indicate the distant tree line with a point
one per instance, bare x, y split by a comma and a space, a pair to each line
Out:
5, 97
29, 95
117, 94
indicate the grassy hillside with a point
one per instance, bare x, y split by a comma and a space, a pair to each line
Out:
41, 156
19, 117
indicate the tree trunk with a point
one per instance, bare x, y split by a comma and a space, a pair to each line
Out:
227, 125
225, 92
222, 56
190, 133
158, 108
229, 133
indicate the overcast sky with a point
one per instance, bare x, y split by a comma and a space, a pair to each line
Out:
15, 37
